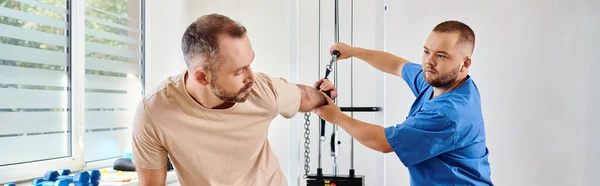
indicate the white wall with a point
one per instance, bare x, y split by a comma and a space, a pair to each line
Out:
165, 23
533, 140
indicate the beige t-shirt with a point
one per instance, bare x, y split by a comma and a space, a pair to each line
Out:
227, 147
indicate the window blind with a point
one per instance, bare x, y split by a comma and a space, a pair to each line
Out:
34, 81
114, 75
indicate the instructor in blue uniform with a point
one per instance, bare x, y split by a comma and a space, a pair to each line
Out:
442, 141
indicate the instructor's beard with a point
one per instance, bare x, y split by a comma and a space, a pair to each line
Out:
443, 80
222, 94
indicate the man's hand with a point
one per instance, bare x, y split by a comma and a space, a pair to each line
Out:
325, 85
345, 50
329, 112
383, 61
311, 98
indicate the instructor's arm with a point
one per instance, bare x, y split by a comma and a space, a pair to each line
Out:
370, 135
383, 61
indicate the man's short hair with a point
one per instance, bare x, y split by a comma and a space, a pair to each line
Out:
466, 34
200, 44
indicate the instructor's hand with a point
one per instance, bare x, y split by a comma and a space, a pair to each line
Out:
345, 50
325, 85
330, 112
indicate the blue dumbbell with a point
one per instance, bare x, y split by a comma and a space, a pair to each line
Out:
63, 183
79, 179
37, 181
94, 177
53, 183
82, 179
83, 175
65, 172
51, 176
68, 177
10, 184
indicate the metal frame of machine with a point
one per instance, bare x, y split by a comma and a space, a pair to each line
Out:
335, 179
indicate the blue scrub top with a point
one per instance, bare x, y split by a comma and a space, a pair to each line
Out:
442, 141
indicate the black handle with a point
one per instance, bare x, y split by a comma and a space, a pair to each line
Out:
328, 93
336, 53
360, 109
332, 143
323, 124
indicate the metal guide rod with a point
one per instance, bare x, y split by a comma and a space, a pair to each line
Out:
351, 83
336, 38
319, 49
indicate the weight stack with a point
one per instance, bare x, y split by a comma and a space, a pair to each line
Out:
330, 180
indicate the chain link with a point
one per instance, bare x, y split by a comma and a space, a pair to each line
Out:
306, 143
333, 60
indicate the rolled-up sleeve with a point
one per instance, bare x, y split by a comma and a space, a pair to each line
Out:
421, 137
412, 73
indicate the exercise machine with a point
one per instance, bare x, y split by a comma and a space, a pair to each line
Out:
334, 179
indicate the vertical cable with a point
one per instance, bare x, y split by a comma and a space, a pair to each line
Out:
336, 38
352, 80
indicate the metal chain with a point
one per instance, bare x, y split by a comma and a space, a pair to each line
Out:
306, 143
307, 127
333, 60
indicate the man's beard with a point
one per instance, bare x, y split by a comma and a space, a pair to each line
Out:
219, 92
443, 80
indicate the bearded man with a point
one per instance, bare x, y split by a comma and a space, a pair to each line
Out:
212, 119
442, 141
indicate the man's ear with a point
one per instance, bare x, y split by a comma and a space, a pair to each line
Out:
202, 76
466, 64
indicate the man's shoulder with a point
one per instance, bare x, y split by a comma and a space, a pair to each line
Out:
267, 85
160, 94
459, 105
262, 79
464, 96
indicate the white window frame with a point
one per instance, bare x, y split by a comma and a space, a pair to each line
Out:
76, 162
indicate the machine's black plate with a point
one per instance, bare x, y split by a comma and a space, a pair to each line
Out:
339, 180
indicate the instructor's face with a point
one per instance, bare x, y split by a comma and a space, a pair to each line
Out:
233, 80
442, 59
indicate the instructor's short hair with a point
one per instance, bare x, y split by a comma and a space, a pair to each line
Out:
466, 34
200, 44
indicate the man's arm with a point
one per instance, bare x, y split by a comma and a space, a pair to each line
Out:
381, 60
370, 135
310, 98
149, 155
151, 177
